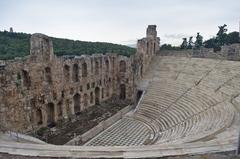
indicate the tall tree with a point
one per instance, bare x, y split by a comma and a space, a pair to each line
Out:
199, 41
184, 44
222, 35
190, 43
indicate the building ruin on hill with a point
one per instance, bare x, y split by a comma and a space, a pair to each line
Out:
42, 88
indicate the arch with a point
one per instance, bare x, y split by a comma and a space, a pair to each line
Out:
102, 93
84, 69
76, 100
26, 79
122, 92
96, 67
59, 109
85, 100
122, 66
39, 118
91, 97
97, 95
154, 47
75, 73
91, 65
107, 91
48, 75
147, 47
66, 72
50, 114
107, 65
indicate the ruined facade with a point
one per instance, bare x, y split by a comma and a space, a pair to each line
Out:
41, 89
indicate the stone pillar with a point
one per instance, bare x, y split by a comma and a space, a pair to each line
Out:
41, 47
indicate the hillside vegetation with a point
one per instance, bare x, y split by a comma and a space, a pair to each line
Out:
18, 45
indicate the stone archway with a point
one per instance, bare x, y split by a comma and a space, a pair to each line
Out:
66, 72
97, 95
122, 95
84, 70
50, 114
48, 75
107, 65
26, 79
75, 73
39, 118
122, 66
76, 100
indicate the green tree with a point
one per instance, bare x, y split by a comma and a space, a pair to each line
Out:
184, 44
232, 38
190, 43
199, 41
221, 35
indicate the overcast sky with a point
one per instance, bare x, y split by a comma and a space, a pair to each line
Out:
119, 21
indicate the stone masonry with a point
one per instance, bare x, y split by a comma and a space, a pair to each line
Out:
41, 89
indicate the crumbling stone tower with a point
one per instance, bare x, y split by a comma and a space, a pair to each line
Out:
41, 47
147, 48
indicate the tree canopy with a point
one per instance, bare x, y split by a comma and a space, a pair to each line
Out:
18, 45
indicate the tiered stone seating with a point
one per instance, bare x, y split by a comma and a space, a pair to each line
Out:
182, 104
124, 133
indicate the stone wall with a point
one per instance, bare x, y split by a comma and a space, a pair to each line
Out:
40, 89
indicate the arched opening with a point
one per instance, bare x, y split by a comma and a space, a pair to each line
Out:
154, 48
107, 65
84, 70
103, 93
122, 92
91, 97
66, 72
107, 91
97, 95
96, 67
76, 100
50, 114
147, 47
39, 120
91, 65
75, 73
122, 66
26, 79
85, 100
48, 75
59, 109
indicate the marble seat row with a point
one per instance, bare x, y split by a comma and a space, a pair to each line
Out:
124, 133
182, 104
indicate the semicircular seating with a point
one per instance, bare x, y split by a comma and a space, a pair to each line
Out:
183, 103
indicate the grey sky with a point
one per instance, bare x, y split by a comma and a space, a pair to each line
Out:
119, 21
